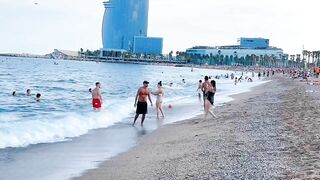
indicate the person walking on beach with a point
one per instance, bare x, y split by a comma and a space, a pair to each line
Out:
143, 94
259, 75
204, 87
159, 93
209, 101
96, 97
199, 89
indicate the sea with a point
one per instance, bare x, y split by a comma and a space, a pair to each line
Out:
61, 137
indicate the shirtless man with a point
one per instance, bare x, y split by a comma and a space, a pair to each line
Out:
204, 87
96, 97
143, 94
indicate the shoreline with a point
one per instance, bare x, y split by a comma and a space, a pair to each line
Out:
152, 63
195, 120
263, 134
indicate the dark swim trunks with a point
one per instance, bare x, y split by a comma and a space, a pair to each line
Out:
142, 108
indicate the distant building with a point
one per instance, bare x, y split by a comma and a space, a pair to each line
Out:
125, 27
247, 47
254, 43
63, 54
147, 45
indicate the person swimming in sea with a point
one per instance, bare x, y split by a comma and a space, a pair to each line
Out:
209, 101
142, 96
96, 97
28, 92
159, 93
38, 97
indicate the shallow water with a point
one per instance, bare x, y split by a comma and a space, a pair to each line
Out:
61, 135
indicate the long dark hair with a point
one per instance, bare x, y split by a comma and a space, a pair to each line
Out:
213, 83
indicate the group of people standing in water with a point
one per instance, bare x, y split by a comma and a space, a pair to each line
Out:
208, 89
141, 100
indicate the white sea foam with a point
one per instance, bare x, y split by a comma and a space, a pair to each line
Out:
63, 126
60, 128
65, 111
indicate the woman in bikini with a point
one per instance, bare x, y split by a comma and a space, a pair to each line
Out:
209, 101
159, 93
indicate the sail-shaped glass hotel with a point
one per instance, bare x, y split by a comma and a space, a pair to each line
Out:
125, 28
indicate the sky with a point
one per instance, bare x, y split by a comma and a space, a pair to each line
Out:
26, 27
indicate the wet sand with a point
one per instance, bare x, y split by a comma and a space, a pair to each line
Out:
272, 132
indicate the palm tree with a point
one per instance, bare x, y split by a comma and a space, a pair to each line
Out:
211, 59
80, 52
261, 60
309, 55
318, 57
226, 60
235, 53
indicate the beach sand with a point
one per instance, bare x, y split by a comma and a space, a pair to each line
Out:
272, 132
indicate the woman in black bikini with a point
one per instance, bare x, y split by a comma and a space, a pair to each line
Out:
209, 101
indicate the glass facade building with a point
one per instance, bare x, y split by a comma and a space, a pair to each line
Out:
148, 45
123, 20
255, 43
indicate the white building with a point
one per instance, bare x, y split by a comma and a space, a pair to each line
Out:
235, 51
246, 47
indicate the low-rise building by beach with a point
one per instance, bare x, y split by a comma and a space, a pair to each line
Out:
63, 54
253, 48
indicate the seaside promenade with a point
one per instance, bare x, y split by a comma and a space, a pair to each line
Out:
271, 132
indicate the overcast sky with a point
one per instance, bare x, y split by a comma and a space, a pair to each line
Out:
72, 24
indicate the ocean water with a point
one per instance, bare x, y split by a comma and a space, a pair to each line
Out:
61, 136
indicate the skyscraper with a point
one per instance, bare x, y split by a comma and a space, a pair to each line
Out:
123, 22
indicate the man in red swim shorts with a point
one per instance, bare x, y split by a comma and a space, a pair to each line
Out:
96, 97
